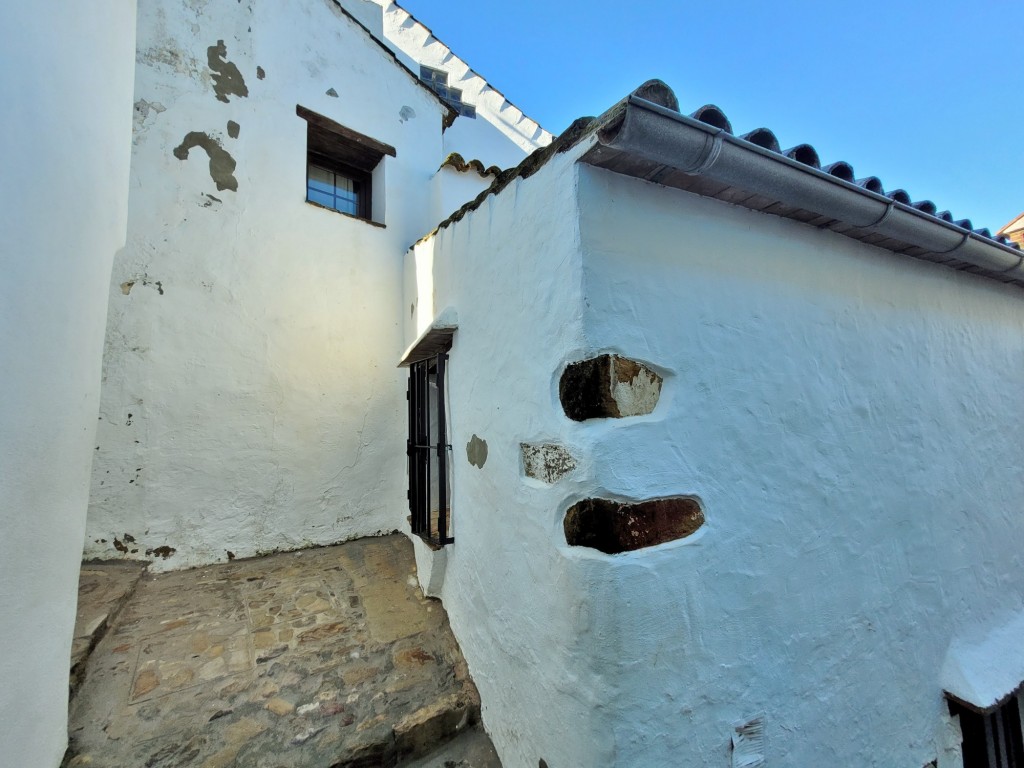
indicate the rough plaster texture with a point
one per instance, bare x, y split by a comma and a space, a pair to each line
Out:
848, 419
251, 400
525, 613
68, 121
846, 416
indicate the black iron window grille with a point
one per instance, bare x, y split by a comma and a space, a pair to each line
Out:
429, 452
993, 739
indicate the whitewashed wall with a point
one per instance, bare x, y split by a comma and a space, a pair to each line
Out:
852, 422
848, 418
251, 400
66, 89
525, 615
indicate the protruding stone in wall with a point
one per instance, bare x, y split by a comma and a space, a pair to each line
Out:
608, 386
547, 462
614, 526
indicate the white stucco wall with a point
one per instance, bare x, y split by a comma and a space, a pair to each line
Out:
851, 421
250, 399
66, 89
524, 614
848, 419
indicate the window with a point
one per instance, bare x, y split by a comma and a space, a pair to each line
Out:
437, 81
344, 171
428, 451
338, 188
992, 739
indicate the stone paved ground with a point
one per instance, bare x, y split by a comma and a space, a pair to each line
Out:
103, 589
323, 658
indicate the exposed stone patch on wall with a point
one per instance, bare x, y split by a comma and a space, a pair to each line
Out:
222, 164
614, 526
476, 452
608, 386
260, 73
164, 552
547, 462
127, 285
227, 80
233, 129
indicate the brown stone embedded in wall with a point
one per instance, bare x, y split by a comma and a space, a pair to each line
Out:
608, 386
614, 526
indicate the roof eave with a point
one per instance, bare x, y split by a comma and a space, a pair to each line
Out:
656, 143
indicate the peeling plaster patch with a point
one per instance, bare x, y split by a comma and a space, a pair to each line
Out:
332, 92
476, 452
233, 129
143, 109
546, 462
222, 164
748, 744
170, 56
614, 526
227, 80
406, 113
164, 552
608, 386
127, 285
260, 73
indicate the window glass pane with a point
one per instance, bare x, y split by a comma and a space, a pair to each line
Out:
345, 185
321, 198
347, 206
321, 179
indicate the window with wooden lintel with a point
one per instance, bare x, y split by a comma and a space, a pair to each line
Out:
344, 172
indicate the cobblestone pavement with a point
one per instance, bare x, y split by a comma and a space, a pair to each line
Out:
323, 658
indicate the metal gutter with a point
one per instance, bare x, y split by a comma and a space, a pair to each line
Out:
658, 143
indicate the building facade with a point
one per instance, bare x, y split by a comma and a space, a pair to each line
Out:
708, 448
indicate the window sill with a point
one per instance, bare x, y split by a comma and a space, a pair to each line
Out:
371, 222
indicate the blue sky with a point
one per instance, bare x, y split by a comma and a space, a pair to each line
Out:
928, 96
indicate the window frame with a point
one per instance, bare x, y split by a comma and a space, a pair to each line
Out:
364, 180
342, 151
425, 474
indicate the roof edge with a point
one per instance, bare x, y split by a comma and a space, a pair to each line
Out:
450, 56
656, 143
449, 114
